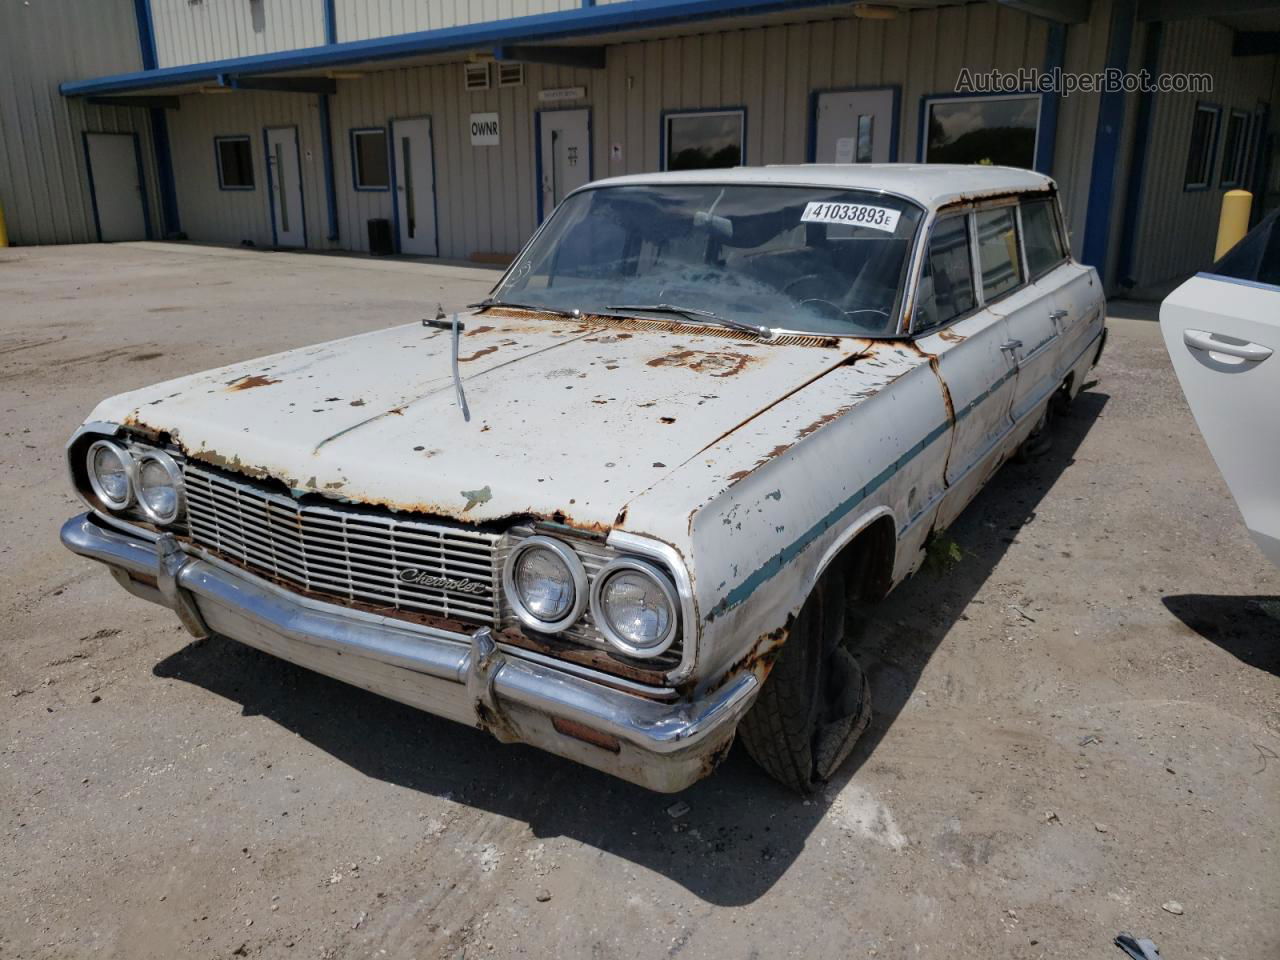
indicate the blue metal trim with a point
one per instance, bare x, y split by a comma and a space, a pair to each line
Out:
1055, 52
93, 193
302, 195
330, 22
355, 166
326, 155
1136, 188
217, 159
1269, 287
1216, 110
811, 146
142, 183
926, 99
146, 33
171, 223
543, 26
662, 131
1106, 145
537, 157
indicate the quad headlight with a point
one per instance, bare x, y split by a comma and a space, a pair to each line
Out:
634, 605
146, 479
545, 583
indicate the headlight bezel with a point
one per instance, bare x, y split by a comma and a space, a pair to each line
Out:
173, 471
577, 573
602, 621
127, 462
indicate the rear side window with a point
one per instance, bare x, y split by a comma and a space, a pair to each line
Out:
998, 251
1040, 237
946, 282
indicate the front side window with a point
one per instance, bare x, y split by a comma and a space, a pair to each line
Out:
997, 251
369, 159
986, 130
1204, 137
1040, 236
703, 141
812, 259
946, 279
235, 163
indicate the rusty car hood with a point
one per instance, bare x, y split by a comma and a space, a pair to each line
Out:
570, 419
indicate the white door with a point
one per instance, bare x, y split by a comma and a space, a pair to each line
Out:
116, 186
854, 126
564, 153
414, 177
284, 174
1223, 336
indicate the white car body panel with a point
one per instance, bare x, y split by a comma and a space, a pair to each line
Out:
1235, 400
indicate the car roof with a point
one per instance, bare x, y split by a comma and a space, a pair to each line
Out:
929, 184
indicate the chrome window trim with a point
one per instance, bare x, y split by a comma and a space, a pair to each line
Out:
654, 573
577, 571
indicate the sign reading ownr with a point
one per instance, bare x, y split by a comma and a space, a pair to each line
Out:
484, 129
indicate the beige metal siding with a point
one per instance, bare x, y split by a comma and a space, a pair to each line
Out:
196, 31
1177, 228
365, 19
44, 180
486, 196
234, 216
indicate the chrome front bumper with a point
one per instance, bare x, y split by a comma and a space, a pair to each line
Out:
664, 746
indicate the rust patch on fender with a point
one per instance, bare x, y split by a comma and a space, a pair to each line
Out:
718, 364
478, 354
248, 383
477, 331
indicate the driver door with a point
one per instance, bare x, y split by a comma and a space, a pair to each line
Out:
970, 350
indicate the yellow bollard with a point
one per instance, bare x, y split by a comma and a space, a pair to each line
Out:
4, 233
1233, 224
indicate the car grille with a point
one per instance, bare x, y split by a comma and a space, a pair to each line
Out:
344, 552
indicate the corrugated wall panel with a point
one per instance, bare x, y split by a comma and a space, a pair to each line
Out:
44, 179
234, 216
365, 19
195, 31
1177, 228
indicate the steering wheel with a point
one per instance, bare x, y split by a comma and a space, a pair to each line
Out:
786, 287
840, 311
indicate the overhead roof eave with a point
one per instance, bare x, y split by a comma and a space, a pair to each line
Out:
611, 17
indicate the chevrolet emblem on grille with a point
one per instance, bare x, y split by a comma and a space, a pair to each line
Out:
424, 578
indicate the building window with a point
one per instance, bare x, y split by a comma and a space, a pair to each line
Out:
990, 130
946, 282
704, 140
1040, 236
369, 159
1204, 140
997, 251
1235, 149
235, 162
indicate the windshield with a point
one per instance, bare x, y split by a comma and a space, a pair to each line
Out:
812, 259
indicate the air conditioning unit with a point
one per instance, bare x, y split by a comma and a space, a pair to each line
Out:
475, 76
510, 74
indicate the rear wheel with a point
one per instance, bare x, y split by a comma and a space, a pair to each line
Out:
815, 703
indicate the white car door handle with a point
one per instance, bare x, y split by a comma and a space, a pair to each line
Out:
1200, 340
1011, 345
1057, 314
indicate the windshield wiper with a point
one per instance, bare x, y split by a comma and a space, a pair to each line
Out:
693, 313
574, 314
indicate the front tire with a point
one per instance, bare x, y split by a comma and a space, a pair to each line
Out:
815, 703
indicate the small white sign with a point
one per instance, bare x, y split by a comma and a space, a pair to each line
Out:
853, 214
844, 149
484, 130
615, 153
560, 94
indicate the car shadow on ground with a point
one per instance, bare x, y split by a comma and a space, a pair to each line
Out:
1248, 628
742, 830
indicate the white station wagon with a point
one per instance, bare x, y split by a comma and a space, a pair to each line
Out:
616, 510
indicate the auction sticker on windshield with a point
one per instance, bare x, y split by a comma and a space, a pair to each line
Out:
853, 214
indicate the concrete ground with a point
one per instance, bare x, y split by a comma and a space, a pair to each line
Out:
1075, 725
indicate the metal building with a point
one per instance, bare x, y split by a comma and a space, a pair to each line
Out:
460, 123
